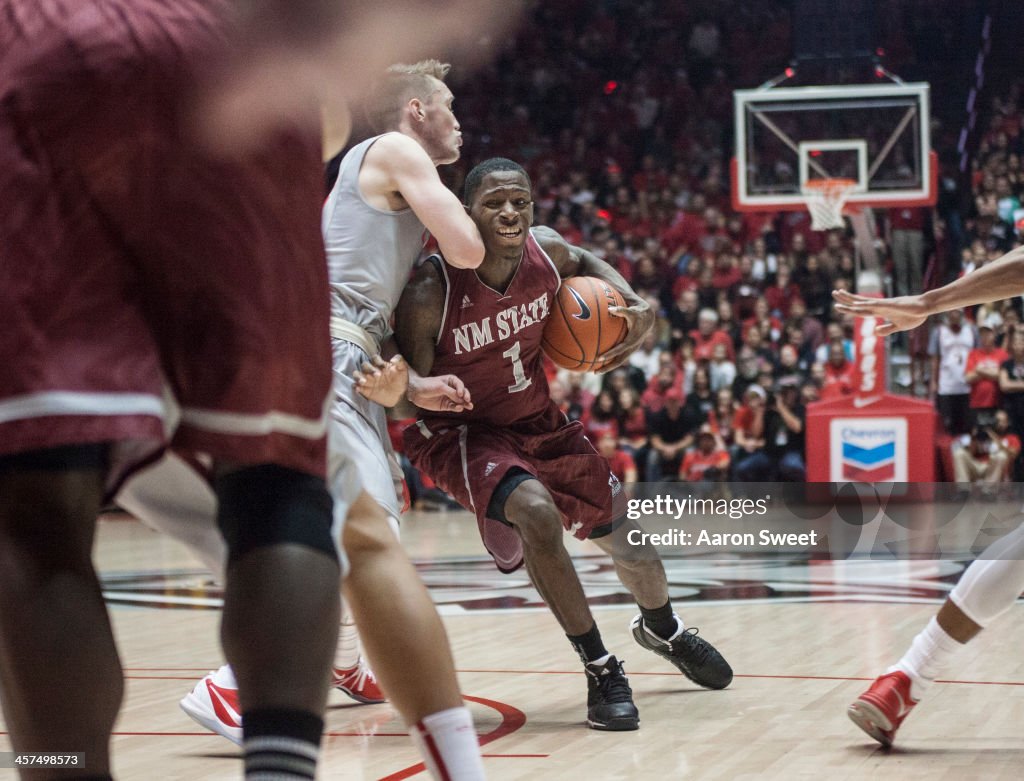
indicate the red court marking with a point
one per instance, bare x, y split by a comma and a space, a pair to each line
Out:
512, 719
577, 672
782, 677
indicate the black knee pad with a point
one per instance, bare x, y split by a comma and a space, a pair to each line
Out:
268, 504
607, 528
513, 477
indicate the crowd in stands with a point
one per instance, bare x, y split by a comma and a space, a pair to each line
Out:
622, 115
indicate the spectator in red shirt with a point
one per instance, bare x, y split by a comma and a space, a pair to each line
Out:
771, 326
727, 272
982, 374
706, 462
838, 379
565, 226
619, 461
632, 421
749, 432
708, 335
668, 378
722, 418
647, 279
781, 292
602, 418
685, 234
576, 394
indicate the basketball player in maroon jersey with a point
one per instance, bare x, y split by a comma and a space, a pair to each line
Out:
991, 585
514, 459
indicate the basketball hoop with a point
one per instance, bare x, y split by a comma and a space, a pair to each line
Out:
825, 200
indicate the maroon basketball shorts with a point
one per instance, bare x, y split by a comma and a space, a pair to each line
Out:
141, 278
470, 460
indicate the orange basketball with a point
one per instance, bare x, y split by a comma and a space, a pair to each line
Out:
580, 327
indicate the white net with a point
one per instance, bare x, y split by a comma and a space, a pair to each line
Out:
825, 201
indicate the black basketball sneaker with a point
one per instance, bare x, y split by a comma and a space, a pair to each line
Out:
609, 698
695, 657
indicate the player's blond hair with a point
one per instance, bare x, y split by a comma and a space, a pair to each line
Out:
400, 84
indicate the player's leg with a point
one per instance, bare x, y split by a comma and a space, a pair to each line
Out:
351, 674
281, 610
53, 622
529, 508
406, 642
521, 501
988, 588
658, 628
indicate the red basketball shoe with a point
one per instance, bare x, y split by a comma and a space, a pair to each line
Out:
882, 708
359, 683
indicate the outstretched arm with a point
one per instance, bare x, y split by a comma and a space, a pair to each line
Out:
1002, 278
572, 261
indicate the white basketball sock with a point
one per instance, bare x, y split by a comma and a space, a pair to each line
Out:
346, 656
927, 657
448, 743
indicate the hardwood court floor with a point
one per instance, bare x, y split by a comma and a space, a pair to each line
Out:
803, 640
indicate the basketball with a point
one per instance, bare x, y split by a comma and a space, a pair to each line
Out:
580, 327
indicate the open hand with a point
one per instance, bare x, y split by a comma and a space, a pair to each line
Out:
902, 314
383, 382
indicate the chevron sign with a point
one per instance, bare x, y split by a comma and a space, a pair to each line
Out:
869, 450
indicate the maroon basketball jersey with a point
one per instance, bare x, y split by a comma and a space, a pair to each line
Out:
491, 341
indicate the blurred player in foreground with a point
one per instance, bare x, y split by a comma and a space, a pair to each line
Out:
373, 221
145, 244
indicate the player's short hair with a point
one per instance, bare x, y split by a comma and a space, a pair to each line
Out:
400, 84
477, 174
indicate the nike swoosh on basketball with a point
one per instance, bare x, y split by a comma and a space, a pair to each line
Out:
863, 402
225, 711
584, 309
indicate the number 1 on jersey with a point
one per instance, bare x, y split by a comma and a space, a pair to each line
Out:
522, 381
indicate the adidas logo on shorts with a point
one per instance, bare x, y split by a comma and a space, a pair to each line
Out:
491, 466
